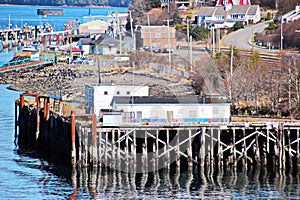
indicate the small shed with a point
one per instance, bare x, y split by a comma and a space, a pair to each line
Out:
75, 52
86, 45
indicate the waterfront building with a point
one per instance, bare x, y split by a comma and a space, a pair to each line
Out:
93, 27
170, 109
99, 97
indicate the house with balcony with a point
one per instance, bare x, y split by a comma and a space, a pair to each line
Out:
221, 17
227, 12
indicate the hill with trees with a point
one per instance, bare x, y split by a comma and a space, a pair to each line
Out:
114, 3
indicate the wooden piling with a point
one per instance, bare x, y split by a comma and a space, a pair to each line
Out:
212, 148
73, 131
189, 150
168, 148
220, 152
234, 148
92, 144
297, 148
202, 147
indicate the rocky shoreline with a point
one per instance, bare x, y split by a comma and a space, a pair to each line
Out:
71, 81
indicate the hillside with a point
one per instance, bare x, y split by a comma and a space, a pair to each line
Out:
113, 3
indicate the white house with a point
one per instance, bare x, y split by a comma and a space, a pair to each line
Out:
99, 97
106, 45
227, 16
292, 15
84, 44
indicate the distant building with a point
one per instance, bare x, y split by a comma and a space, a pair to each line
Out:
85, 45
233, 2
292, 15
156, 36
105, 45
92, 27
226, 16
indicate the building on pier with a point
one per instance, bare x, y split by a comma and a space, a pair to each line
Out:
99, 97
172, 109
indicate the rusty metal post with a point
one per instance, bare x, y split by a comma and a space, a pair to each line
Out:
73, 129
94, 141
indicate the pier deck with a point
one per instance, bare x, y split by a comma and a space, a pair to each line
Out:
80, 140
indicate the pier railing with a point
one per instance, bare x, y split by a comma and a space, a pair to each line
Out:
80, 140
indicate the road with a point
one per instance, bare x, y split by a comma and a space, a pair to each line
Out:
242, 39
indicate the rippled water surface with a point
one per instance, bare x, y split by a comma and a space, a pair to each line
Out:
24, 176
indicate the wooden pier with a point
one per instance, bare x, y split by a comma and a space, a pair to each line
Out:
81, 141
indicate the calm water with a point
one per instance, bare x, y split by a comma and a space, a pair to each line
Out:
24, 176
19, 15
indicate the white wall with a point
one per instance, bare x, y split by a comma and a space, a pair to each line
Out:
100, 97
180, 111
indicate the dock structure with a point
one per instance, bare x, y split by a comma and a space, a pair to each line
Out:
81, 141
27, 63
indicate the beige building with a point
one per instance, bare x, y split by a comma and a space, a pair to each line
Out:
92, 27
157, 36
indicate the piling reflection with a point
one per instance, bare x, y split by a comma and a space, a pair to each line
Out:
184, 183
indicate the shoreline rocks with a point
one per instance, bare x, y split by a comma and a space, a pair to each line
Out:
71, 81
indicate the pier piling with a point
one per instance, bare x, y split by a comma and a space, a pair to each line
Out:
81, 141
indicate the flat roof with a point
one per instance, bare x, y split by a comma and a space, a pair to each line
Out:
170, 100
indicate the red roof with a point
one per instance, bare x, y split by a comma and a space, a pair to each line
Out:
241, 3
220, 2
75, 49
244, 2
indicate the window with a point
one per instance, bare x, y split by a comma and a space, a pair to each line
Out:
105, 93
128, 92
235, 16
118, 92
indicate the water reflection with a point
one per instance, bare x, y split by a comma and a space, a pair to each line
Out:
175, 183
187, 183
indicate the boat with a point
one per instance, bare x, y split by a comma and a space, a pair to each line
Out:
29, 49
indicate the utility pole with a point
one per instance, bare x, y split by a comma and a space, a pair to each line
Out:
169, 45
281, 34
213, 40
149, 34
120, 32
219, 39
131, 28
290, 82
188, 41
99, 76
231, 72
191, 53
